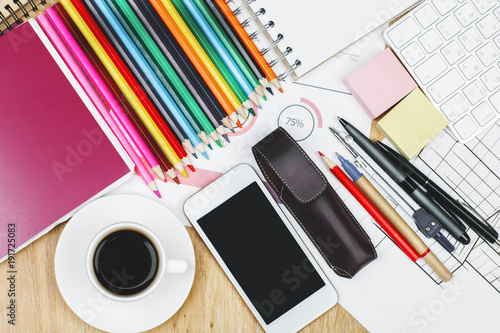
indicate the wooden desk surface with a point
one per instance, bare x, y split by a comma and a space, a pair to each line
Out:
213, 304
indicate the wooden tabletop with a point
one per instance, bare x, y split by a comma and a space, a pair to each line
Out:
213, 304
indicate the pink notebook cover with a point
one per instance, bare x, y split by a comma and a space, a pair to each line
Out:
54, 154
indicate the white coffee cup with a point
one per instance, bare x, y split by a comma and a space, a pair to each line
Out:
175, 266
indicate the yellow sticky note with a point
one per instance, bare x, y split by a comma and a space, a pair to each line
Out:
412, 124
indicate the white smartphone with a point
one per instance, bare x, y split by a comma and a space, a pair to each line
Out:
260, 251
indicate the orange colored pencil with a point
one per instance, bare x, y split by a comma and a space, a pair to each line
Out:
200, 67
270, 75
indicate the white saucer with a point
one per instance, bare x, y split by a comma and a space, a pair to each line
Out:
95, 308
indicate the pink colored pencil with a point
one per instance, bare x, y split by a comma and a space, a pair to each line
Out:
103, 90
80, 76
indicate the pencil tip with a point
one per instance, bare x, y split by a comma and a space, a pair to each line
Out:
176, 180
205, 155
238, 124
184, 173
320, 153
210, 146
251, 111
270, 90
281, 90
232, 129
264, 97
158, 194
194, 154
191, 167
218, 143
226, 137
337, 154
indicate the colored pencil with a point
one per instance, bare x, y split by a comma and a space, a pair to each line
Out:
102, 89
270, 75
107, 42
186, 103
221, 50
229, 45
121, 82
238, 43
89, 90
214, 72
115, 91
181, 64
150, 75
371, 209
197, 62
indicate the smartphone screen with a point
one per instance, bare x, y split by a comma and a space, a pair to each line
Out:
261, 253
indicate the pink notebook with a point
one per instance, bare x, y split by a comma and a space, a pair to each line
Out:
56, 151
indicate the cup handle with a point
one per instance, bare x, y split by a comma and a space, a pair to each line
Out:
176, 266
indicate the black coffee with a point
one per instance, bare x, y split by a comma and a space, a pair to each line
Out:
125, 262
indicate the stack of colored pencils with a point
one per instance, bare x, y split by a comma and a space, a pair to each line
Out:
167, 76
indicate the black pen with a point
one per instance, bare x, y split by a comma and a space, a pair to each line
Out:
406, 183
486, 231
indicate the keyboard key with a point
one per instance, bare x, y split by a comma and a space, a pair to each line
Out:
454, 107
466, 15
448, 27
488, 54
444, 6
470, 39
497, 13
430, 69
470, 67
474, 92
465, 127
491, 78
495, 100
426, 16
446, 85
497, 41
452, 52
404, 32
483, 114
413, 53
430, 40
483, 5
488, 26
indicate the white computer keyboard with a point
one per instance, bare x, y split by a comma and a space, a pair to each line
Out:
452, 50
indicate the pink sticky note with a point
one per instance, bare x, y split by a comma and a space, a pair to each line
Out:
380, 84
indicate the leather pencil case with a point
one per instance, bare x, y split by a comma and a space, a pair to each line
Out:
305, 191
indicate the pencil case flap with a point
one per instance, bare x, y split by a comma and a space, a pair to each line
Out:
305, 191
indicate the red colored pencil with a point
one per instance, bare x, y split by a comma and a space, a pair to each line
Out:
371, 209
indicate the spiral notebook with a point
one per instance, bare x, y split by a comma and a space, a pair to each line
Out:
317, 30
57, 153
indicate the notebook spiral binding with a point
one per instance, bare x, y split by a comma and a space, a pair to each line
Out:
12, 12
262, 29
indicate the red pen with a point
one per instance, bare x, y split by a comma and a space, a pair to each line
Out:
371, 209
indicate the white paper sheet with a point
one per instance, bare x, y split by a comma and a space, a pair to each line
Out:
392, 294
